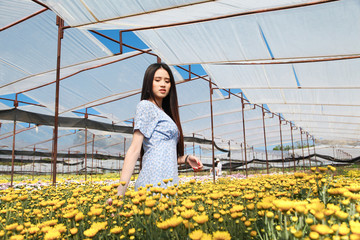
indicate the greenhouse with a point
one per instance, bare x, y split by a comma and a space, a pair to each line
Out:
270, 88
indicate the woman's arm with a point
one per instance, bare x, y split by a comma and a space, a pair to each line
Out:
193, 161
131, 157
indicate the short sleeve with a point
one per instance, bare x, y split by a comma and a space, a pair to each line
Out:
146, 118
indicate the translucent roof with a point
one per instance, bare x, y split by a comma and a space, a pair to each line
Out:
109, 14
299, 58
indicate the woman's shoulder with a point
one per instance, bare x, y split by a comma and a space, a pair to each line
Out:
145, 104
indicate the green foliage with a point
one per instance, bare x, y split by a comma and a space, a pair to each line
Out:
288, 147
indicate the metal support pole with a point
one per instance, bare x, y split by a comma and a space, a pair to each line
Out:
302, 148
244, 134
13, 145
292, 144
97, 163
52, 157
86, 131
68, 160
281, 146
307, 140
121, 42
92, 155
266, 155
212, 130
193, 141
230, 157
33, 171
189, 72
60, 24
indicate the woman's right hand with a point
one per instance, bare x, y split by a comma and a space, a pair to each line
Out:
194, 162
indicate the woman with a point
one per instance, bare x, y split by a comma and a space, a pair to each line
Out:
157, 131
218, 167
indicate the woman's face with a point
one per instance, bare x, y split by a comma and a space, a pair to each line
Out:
161, 84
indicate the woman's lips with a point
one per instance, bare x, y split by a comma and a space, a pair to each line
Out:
163, 91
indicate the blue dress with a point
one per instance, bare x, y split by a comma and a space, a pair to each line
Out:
160, 140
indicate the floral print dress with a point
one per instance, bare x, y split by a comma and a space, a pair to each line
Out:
160, 140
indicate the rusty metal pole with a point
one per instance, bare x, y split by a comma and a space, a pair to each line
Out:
33, 171
68, 160
92, 155
193, 141
244, 134
97, 162
314, 150
212, 130
60, 24
307, 140
230, 157
13, 144
281, 146
52, 156
266, 155
302, 148
292, 144
120, 42
86, 131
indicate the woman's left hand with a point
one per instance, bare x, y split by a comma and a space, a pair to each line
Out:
195, 163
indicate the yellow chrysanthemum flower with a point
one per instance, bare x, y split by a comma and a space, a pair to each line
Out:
17, 237
196, 235
221, 235
73, 231
188, 213
116, 230
201, 219
52, 235
91, 232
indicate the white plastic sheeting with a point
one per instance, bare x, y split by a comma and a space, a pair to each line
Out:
330, 74
17, 10
30, 48
305, 32
96, 85
110, 14
294, 33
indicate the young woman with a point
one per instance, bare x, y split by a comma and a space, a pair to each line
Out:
157, 131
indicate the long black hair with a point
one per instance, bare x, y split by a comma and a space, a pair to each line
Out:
169, 103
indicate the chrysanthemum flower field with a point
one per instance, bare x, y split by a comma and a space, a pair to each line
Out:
313, 205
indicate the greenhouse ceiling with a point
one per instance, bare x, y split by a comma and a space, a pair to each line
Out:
299, 59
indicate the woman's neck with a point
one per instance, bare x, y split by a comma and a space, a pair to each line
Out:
157, 102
